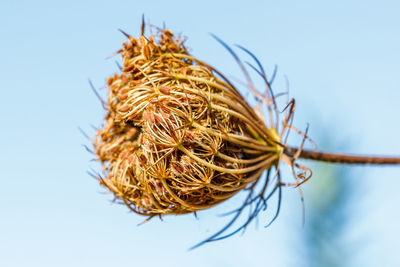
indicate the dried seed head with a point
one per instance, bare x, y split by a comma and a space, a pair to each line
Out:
178, 137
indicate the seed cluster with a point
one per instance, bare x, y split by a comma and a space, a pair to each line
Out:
177, 136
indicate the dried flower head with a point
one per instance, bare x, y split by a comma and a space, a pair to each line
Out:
178, 137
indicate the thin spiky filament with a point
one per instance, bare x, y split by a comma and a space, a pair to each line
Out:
177, 137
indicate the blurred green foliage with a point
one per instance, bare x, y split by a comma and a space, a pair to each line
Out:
327, 217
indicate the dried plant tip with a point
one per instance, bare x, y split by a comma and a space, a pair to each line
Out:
177, 137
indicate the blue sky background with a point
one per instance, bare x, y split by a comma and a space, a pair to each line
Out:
341, 58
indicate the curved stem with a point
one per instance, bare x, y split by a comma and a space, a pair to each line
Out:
341, 158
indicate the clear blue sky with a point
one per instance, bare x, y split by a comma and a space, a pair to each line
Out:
342, 59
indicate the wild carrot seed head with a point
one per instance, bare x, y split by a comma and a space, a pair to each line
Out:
177, 137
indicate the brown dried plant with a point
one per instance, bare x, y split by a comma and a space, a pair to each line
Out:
178, 137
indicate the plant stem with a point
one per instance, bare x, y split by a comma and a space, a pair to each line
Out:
341, 158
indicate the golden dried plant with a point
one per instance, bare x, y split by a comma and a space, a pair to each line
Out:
178, 137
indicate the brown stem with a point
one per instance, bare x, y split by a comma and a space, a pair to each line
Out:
341, 158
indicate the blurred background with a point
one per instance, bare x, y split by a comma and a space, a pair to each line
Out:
341, 60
